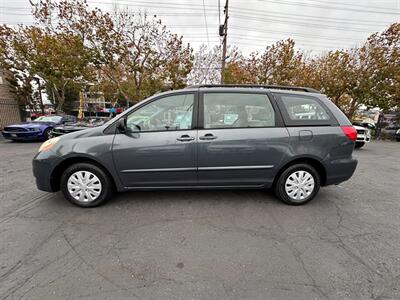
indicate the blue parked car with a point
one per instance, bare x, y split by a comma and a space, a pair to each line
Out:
39, 129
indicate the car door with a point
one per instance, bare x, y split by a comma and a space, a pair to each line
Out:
241, 139
158, 148
66, 119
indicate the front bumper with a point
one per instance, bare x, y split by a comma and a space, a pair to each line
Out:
23, 135
57, 133
43, 166
363, 138
340, 170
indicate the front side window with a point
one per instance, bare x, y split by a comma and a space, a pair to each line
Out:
237, 110
168, 113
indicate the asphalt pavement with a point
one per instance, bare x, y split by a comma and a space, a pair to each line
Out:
234, 244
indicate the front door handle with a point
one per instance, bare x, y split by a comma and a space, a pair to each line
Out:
208, 136
185, 138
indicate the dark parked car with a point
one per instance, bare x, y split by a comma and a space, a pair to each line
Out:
206, 137
39, 129
391, 132
397, 135
86, 123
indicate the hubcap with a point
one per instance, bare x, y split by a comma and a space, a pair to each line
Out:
84, 186
299, 185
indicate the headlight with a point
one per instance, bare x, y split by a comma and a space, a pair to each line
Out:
47, 145
398, 131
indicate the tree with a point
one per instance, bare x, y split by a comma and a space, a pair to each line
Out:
133, 51
368, 75
380, 57
130, 55
59, 59
207, 66
177, 63
279, 64
239, 69
71, 45
21, 79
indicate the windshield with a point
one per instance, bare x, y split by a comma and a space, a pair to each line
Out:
54, 119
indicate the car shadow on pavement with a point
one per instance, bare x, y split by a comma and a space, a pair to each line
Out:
231, 196
27, 142
183, 199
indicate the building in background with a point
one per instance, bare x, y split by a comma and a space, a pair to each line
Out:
9, 109
95, 104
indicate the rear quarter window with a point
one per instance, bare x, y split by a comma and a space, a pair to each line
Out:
302, 110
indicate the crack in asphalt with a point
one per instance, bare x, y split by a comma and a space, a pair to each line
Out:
28, 256
92, 267
24, 208
297, 255
362, 237
342, 245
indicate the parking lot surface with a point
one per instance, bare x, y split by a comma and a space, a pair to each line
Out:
241, 244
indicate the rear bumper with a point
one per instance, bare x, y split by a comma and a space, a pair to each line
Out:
43, 165
340, 170
23, 135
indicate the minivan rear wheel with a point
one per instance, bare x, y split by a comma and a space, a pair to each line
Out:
298, 184
86, 185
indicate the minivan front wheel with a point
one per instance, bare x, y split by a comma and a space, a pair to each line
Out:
298, 184
86, 185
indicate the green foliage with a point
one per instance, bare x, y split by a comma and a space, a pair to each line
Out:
128, 56
123, 54
368, 75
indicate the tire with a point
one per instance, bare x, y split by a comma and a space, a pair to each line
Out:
98, 191
47, 134
306, 194
359, 145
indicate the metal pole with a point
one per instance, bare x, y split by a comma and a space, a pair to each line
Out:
224, 43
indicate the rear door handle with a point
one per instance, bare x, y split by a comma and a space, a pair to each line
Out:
208, 136
185, 138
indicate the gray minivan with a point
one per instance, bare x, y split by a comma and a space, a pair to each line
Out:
291, 139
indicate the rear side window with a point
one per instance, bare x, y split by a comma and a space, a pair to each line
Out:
300, 110
237, 110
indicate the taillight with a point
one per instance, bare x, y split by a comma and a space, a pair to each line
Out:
350, 132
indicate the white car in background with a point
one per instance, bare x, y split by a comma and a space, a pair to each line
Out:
363, 136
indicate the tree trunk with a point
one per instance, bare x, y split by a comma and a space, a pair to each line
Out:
59, 99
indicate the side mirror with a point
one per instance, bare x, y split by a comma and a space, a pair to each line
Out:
121, 125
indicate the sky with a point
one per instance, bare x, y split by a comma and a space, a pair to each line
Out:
317, 26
